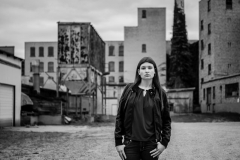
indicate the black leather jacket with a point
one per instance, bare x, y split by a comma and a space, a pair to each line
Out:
124, 119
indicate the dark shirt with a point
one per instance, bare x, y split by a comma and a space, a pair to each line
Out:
143, 121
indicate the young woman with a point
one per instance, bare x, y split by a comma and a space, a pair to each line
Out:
143, 116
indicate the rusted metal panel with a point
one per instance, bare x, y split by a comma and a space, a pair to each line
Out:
96, 50
73, 43
64, 54
81, 58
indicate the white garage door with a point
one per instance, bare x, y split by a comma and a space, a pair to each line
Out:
6, 105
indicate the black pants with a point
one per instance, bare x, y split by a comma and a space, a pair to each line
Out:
138, 150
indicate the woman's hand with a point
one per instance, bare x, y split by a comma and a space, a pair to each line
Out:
156, 152
120, 150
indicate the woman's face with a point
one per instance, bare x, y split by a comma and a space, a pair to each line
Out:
146, 71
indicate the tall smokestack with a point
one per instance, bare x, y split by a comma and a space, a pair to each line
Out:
36, 79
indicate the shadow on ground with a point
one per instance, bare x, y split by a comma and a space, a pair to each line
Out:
188, 118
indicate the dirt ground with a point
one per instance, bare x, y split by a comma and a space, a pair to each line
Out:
190, 141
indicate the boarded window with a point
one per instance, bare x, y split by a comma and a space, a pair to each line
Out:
50, 67
41, 69
32, 52
111, 50
111, 79
121, 66
121, 50
232, 90
50, 52
41, 52
111, 67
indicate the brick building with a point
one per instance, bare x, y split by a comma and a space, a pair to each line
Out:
219, 60
46, 52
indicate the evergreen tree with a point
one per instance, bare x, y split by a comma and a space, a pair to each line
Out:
193, 48
180, 75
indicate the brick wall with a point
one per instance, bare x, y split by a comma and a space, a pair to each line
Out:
224, 39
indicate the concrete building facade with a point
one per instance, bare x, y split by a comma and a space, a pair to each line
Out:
219, 45
114, 58
148, 39
46, 52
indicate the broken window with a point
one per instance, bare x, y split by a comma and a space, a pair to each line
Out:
232, 90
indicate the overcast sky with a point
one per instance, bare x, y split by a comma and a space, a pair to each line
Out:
36, 20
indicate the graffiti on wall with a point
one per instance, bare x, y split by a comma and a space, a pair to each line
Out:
84, 44
64, 55
73, 44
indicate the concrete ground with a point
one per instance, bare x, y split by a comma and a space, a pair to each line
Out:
190, 141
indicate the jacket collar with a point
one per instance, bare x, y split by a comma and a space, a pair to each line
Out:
151, 91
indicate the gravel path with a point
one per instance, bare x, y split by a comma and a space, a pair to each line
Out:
204, 141
190, 141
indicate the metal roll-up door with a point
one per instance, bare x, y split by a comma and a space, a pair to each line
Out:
6, 105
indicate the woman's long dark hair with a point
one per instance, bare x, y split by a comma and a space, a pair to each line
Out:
156, 81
